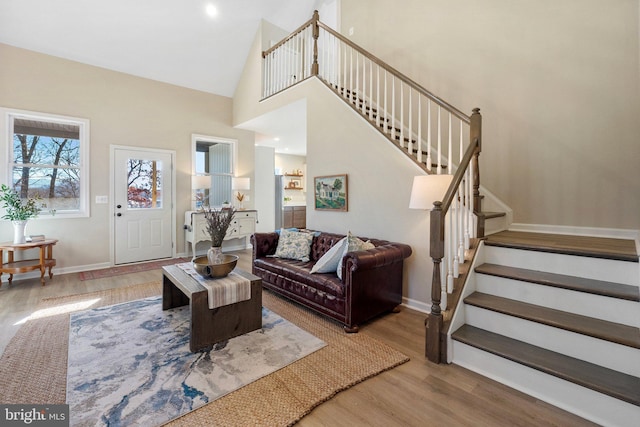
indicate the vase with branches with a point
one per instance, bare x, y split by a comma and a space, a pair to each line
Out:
218, 222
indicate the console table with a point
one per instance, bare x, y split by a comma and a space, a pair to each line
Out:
12, 267
242, 226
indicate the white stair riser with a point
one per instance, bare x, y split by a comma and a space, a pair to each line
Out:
597, 306
586, 403
623, 272
614, 356
495, 225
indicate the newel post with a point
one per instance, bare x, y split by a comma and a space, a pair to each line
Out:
476, 138
434, 321
315, 35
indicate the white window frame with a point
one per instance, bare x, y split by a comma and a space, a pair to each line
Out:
7, 118
218, 140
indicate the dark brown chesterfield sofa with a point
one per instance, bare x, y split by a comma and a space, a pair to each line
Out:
371, 285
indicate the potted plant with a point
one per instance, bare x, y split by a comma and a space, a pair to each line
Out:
218, 221
18, 211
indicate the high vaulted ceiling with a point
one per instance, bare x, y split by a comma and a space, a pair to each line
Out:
172, 41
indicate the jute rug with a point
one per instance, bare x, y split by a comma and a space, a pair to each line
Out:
33, 366
130, 268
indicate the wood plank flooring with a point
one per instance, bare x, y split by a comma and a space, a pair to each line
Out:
417, 393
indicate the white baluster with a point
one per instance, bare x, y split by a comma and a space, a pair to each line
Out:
410, 142
401, 115
351, 76
450, 141
364, 86
370, 90
439, 144
357, 71
429, 161
378, 96
461, 192
455, 233
471, 219
344, 73
420, 128
448, 243
385, 102
393, 107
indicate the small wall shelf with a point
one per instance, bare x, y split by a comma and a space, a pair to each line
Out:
295, 181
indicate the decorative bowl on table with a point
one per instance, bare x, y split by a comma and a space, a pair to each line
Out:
218, 270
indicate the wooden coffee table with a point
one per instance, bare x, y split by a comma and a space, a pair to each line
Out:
210, 326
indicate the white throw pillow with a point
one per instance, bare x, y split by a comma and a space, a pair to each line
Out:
353, 244
328, 263
294, 245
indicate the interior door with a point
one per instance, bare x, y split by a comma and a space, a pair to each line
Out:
142, 205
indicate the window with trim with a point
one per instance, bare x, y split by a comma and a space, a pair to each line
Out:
48, 157
215, 157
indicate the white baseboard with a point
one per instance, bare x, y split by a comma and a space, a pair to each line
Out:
416, 305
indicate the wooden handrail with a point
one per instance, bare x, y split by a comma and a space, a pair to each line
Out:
459, 114
294, 33
472, 149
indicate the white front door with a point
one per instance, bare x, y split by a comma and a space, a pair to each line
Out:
142, 205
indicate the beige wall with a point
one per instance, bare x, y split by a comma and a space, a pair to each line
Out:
558, 83
122, 110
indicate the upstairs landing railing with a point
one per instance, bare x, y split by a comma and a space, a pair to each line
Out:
434, 134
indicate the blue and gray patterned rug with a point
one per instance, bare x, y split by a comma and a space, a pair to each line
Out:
130, 365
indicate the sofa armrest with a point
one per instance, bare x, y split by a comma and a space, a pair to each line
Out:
264, 244
373, 280
374, 258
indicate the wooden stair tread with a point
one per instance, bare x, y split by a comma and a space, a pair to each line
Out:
604, 380
597, 247
598, 287
597, 328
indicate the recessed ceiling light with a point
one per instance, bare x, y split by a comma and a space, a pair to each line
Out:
276, 139
212, 11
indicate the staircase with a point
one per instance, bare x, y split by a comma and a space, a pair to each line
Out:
554, 316
558, 318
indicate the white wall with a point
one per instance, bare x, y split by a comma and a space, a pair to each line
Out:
265, 189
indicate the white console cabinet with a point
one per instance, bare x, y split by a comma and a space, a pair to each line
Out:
242, 227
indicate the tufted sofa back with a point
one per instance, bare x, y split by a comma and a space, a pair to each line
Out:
324, 241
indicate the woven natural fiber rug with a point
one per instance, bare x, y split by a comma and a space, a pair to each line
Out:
130, 268
33, 366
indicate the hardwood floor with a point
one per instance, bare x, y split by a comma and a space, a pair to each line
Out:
417, 393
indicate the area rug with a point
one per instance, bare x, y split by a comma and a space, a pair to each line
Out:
130, 268
130, 363
33, 366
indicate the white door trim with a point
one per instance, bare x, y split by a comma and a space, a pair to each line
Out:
112, 208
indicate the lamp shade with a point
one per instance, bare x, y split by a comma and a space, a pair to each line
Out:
240, 183
200, 181
428, 189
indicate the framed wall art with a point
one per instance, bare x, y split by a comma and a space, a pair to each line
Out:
330, 193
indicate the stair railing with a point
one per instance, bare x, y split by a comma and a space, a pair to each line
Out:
429, 130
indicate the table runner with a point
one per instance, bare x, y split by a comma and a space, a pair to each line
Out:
223, 291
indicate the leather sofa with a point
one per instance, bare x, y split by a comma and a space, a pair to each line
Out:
371, 279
